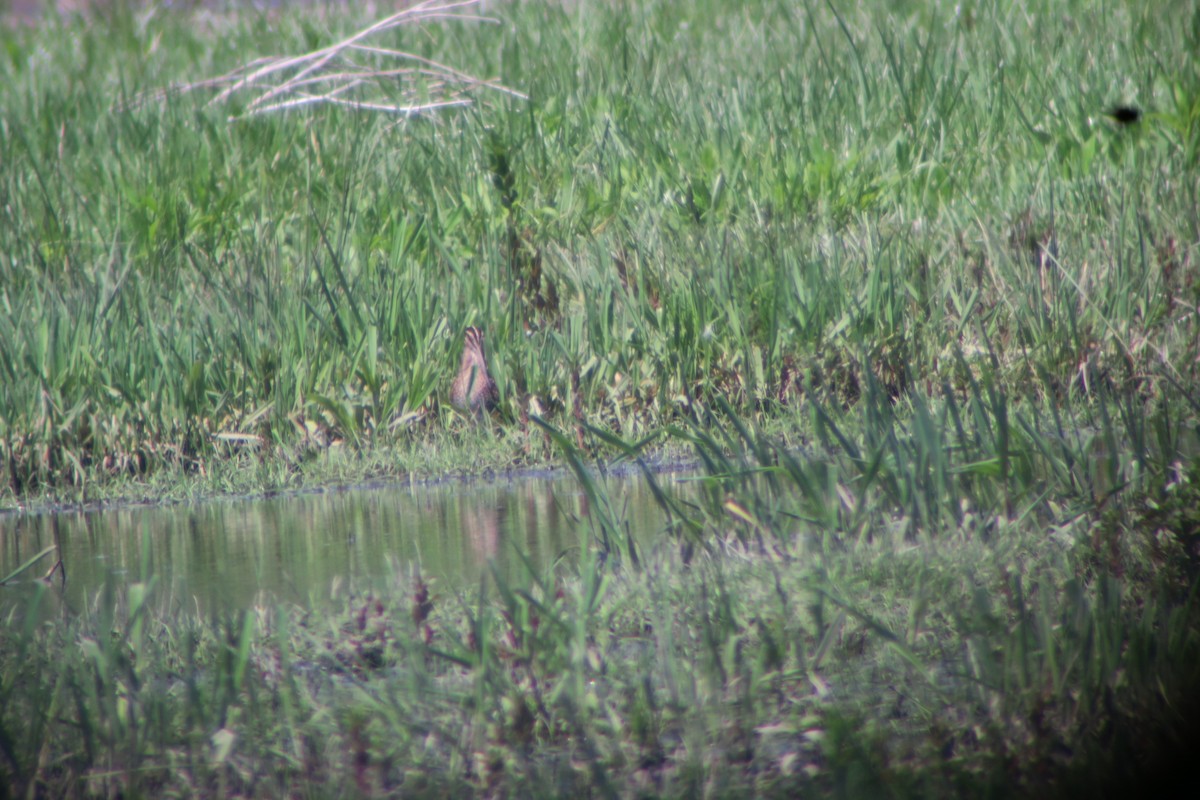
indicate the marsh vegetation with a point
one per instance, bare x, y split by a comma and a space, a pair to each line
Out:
923, 311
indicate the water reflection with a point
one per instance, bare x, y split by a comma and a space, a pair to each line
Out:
299, 548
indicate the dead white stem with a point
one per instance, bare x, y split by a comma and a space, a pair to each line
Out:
318, 58
360, 105
284, 82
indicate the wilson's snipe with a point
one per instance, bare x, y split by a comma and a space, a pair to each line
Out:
473, 389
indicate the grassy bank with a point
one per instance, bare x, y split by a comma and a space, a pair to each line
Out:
867, 622
762, 205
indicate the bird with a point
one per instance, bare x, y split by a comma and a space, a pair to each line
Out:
473, 389
1125, 115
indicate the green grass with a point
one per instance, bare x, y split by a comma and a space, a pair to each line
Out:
695, 203
924, 314
803, 632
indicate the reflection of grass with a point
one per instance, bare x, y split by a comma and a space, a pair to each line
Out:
898, 613
770, 206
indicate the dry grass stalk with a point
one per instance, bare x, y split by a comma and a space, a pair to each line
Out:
328, 75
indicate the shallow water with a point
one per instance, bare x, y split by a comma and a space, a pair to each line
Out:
308, 548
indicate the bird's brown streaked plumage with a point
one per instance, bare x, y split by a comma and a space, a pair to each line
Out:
473, 389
